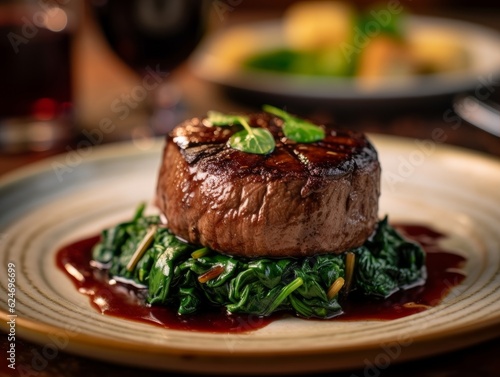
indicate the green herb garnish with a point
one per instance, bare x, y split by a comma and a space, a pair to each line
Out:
219, 119
261, 141
250, 139
185, 277
297, 129
253, 140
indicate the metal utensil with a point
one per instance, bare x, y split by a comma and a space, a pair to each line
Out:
484, 115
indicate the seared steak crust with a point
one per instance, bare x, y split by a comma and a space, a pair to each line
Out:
300, 200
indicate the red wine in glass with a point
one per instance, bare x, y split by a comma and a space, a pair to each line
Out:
148, 33
154, 36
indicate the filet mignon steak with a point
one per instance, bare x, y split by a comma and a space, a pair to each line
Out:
299, 200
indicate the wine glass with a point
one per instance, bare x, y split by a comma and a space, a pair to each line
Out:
153, 37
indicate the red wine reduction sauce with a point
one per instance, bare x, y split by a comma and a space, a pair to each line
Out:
126, 301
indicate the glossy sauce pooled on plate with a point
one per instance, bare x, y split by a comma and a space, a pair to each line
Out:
126, 301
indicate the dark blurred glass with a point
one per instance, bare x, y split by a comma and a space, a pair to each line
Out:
153, 37
151, 32
35, 77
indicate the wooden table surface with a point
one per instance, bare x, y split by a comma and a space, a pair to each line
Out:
419, 121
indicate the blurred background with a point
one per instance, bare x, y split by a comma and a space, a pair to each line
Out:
77, 73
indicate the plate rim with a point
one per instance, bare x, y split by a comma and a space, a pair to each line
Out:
473, 333
35, 330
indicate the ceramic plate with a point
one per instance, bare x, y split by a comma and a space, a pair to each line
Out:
215, 64
59, 201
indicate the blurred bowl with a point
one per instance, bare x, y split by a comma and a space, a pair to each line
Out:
218, 60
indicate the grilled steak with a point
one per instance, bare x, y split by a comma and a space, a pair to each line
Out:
299, 200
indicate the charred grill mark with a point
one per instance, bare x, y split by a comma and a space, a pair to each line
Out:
195, 153
290, 149
206, 148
